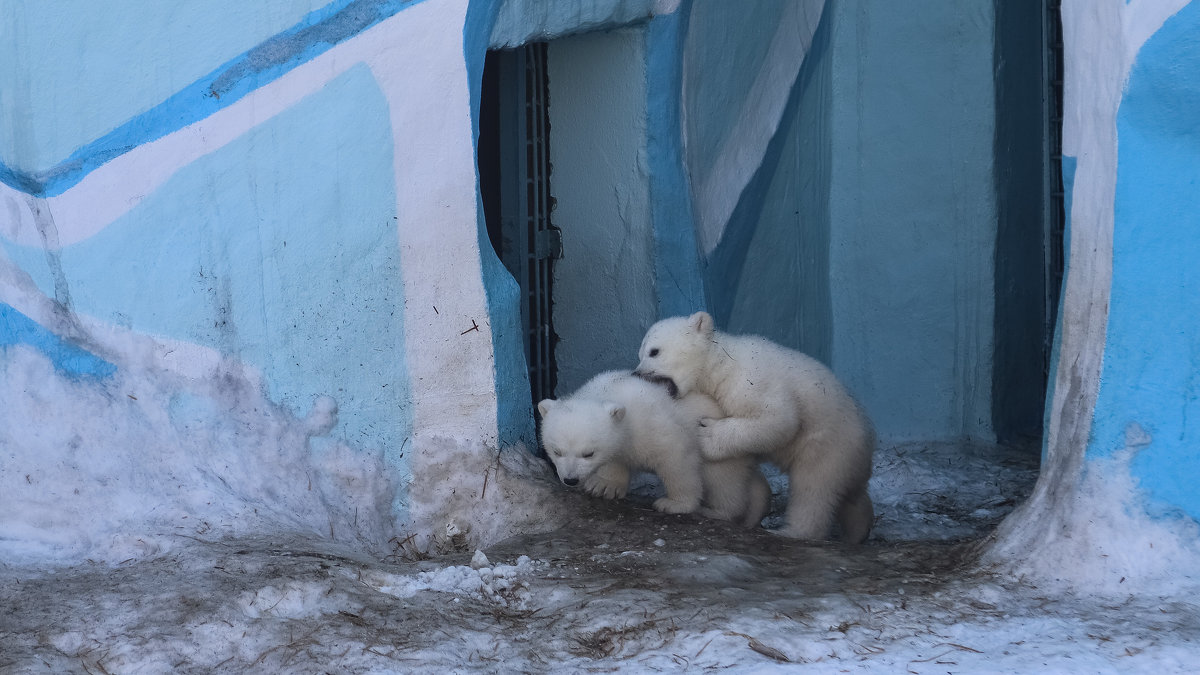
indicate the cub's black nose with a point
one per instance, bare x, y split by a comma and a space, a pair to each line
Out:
570, 481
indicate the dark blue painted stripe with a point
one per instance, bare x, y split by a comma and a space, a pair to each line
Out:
677, 255
514, 409
16, 328
315, 34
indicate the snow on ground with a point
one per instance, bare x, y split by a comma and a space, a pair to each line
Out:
148, 527
620, 588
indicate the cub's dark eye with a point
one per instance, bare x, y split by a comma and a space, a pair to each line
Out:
654, 352
588, 455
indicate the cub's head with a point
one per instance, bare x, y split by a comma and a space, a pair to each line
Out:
675, 350
580, 435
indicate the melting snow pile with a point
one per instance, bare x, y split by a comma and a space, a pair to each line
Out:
1099, 535
130, 465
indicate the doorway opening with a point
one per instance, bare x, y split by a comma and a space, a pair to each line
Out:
514, 181
1030, 228
569, 216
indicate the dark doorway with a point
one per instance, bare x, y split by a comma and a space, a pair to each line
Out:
514, 180
1029, 241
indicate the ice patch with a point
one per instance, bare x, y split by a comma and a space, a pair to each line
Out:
292, 600
504, 585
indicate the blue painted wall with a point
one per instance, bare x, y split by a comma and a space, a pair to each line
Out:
604, 290
75, 70
514, 409
914, 213
866, 236
678, 283
277, 251
69, 359
279, 267
770, 273
34, 169
1149, 399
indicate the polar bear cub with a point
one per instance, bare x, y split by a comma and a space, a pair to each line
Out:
780, 405
617, 422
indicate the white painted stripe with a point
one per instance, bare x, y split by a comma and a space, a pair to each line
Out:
420, 66
742, 150
1101, 40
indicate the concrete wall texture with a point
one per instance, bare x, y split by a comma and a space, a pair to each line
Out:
285, 193
598, 148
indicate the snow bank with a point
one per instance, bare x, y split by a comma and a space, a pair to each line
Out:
1098, 534
128, 466
125, 467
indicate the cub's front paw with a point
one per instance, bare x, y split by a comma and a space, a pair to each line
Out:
668, 505
708, 444
606, 486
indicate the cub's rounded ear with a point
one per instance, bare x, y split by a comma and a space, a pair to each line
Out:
616, 412
701, 322
545, 406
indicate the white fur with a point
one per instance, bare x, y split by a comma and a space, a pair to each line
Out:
779, 405
616, 422
734, 489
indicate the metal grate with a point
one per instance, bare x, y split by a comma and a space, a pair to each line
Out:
514, 170
1055, 212
542, 243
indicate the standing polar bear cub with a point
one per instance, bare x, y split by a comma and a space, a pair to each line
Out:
617, 422
780, 405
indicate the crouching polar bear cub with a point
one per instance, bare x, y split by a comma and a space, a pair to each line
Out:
617, 422
780, 405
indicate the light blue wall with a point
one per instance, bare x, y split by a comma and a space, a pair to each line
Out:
866, 235
74, 70
277, 250
678, 283
289, 266
604, 292
69, 359
1149, 397
727, 44
770, 273
158, 100
516, 22
913, 213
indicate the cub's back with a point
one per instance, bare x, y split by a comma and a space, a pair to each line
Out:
802, 376
649, 409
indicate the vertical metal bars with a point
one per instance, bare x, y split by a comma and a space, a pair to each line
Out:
1054, 216
517, 199
536, 209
